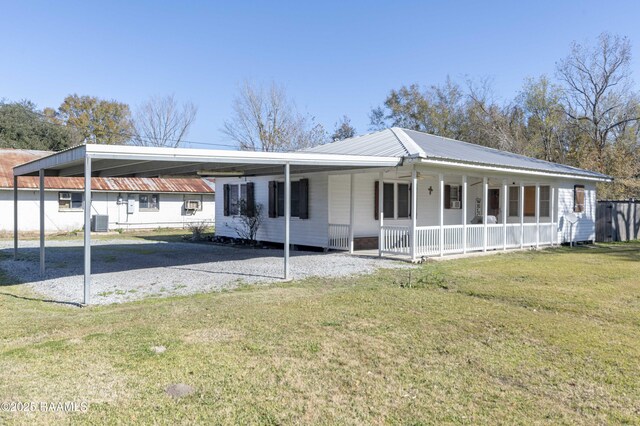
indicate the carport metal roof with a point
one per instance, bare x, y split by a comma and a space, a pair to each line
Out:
134, 161
116, 160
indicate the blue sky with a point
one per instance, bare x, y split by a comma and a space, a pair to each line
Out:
334, 58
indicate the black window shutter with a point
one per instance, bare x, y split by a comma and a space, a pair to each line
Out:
226, 199
460, 195
303, 209
376, 201
272, 199
447, 196
251, 200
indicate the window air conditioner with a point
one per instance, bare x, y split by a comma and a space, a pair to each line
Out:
455, 204
65, 196
192, 205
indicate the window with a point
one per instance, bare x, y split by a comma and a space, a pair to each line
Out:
149, 202
299, 199
514, 202
388, 204
452, 197
295, 199
70, 200
545, 200
238, 199
396, 202
578, 198
529, 200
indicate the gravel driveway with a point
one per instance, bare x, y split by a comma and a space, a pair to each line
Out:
126, 270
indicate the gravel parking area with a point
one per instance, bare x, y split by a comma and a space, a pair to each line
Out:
126, 270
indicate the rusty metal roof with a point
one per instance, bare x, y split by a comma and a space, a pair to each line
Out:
10, 158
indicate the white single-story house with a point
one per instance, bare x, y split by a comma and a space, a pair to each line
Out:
399, 191
128, 203
527, 202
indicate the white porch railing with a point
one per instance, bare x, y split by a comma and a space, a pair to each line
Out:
397, 239
339, 237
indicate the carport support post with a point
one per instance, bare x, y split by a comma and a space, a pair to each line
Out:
521, 205
15, 217
552, 214
485, 211
414, 211
464, 213
41, 174
441, 215
352, 211
287, 217
505, 212
381, 213
87, 229
537, 215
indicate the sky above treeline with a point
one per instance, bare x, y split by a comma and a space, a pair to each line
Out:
333, 58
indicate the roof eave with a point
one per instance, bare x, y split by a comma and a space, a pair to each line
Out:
500, 168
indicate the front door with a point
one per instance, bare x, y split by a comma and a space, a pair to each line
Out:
494, 202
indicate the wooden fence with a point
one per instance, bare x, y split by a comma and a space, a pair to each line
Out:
617, 220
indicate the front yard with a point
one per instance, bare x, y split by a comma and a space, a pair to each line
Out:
529, 337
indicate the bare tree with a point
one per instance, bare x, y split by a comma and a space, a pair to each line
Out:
267, 120
343, 129
161, 121
598, 90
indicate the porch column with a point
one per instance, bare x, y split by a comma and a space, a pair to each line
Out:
505, 212
552, 208
537, 215
414, 211
464, 213
87, 230
41, 188
485, 211
381, 213
521, 208
287, 217
441, 216
15, 218
352, 211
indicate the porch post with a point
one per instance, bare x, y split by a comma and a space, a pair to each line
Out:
381, 213
414, 211
505, 212
41, 175
537, 215
554, 231
464, 213
15, 218
352, 211
87, 230
485, 211
521, 207
441, 216
287, 217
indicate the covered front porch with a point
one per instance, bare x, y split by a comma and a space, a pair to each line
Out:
416, 212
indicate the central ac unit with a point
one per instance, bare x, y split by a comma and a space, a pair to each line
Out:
192, 205
100, 223
455, 204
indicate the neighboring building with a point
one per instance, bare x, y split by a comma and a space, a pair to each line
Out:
129, 203
527, 202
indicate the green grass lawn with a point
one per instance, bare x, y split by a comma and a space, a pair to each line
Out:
530, 337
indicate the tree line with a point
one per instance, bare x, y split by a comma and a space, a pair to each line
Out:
587, 115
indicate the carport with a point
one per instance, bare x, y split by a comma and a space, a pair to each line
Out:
130, 161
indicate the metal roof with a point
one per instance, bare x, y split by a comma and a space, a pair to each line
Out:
10, 158
384, 142
142, 162
437, 147
411, 143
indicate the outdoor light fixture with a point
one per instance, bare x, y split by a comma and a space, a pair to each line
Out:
430, 189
